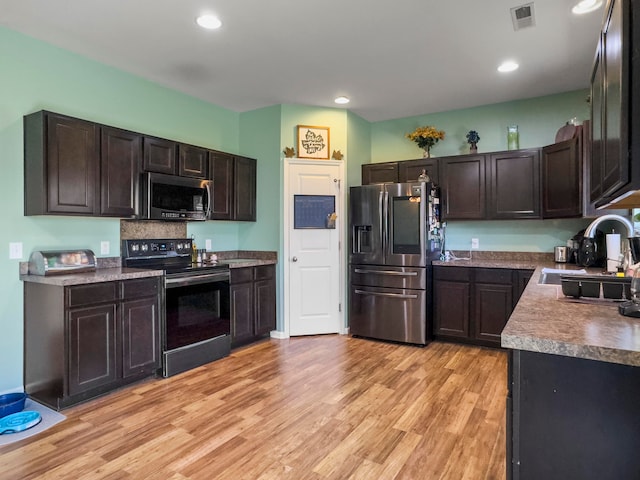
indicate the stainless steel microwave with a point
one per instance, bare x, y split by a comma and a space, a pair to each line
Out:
169, 197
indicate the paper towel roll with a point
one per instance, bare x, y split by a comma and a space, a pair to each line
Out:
613, 251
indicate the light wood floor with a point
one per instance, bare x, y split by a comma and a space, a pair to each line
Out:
327, 407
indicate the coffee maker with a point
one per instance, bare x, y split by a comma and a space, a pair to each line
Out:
588, 252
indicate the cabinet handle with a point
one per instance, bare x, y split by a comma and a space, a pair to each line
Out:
294, 259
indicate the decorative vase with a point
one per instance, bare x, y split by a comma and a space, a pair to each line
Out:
513, 138
473, 149
427, 152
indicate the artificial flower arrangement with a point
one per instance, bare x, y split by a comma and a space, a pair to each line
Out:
426, 137
472, 139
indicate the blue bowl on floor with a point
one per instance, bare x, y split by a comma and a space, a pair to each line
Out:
12, 403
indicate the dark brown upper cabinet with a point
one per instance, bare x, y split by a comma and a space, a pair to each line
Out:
561, 178
193, 161
61, 163
160, 155
615, 109
379, 173
120, 158
462, 185
75, 167
234, 187
410, 170
514, 184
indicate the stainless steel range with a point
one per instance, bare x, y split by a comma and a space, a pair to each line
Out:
196, 326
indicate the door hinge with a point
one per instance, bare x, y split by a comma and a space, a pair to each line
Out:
339, 307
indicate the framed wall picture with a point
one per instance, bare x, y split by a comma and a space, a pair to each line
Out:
313, 142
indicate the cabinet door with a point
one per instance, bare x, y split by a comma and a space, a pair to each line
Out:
493, 307
615, 164
514, 185
92, 354
462, 182
222, 177
71, 165
121, 152
522, 279
159, 155
193, 161
410, 170
244, 197
597, 107
140, 336
242, 313
379, 173
265, 299
561, 179
451, 308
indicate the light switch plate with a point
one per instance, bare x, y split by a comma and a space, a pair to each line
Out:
104, 248
207, 244
15, 250
475, 243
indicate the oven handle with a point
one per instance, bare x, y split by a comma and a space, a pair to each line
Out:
392, 295
386, 272
196, 279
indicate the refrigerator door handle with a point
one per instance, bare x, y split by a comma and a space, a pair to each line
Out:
392, 295
386, 272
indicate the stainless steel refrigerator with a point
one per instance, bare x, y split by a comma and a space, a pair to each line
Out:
395, 233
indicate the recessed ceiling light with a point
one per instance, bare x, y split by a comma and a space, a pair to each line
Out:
508, 66
586, 6
210, 22
342, 100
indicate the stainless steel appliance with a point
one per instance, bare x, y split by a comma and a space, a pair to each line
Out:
169, 197
196, 325
394, 236
61, 262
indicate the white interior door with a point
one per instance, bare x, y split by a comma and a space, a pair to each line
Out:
314, 253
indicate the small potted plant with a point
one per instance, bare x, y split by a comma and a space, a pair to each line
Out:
426, 137
472, 139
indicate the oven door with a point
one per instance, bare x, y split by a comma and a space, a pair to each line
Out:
196, 309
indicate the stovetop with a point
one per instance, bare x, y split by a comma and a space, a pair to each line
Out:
171, 255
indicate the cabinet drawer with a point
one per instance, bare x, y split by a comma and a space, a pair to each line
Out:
264, 272
241, 275
143, 287
460, 274
494, 275
92, 294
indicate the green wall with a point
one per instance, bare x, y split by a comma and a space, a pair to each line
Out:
36, 76
538, 120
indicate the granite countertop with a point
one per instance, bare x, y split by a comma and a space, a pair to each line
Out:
547, 322
109, 269
513, 260
109, 274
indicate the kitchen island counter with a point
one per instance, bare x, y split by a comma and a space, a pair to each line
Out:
545, 321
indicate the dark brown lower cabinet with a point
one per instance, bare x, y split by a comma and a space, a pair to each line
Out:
472, 305
571, 418
253, 303
82, 341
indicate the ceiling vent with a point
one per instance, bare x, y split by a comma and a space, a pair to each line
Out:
523, 16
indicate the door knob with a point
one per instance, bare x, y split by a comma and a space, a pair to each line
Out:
294, 259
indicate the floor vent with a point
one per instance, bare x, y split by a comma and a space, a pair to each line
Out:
523, 16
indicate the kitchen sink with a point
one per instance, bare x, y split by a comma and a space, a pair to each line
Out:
554, 277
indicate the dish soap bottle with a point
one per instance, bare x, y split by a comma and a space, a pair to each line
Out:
194, 252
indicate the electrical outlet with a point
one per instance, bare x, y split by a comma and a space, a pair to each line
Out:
207, 244
475, 243
104, 248
15, 250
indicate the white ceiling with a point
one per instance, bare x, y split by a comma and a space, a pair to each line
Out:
393, 58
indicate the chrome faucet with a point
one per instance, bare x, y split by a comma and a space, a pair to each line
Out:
590, 231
